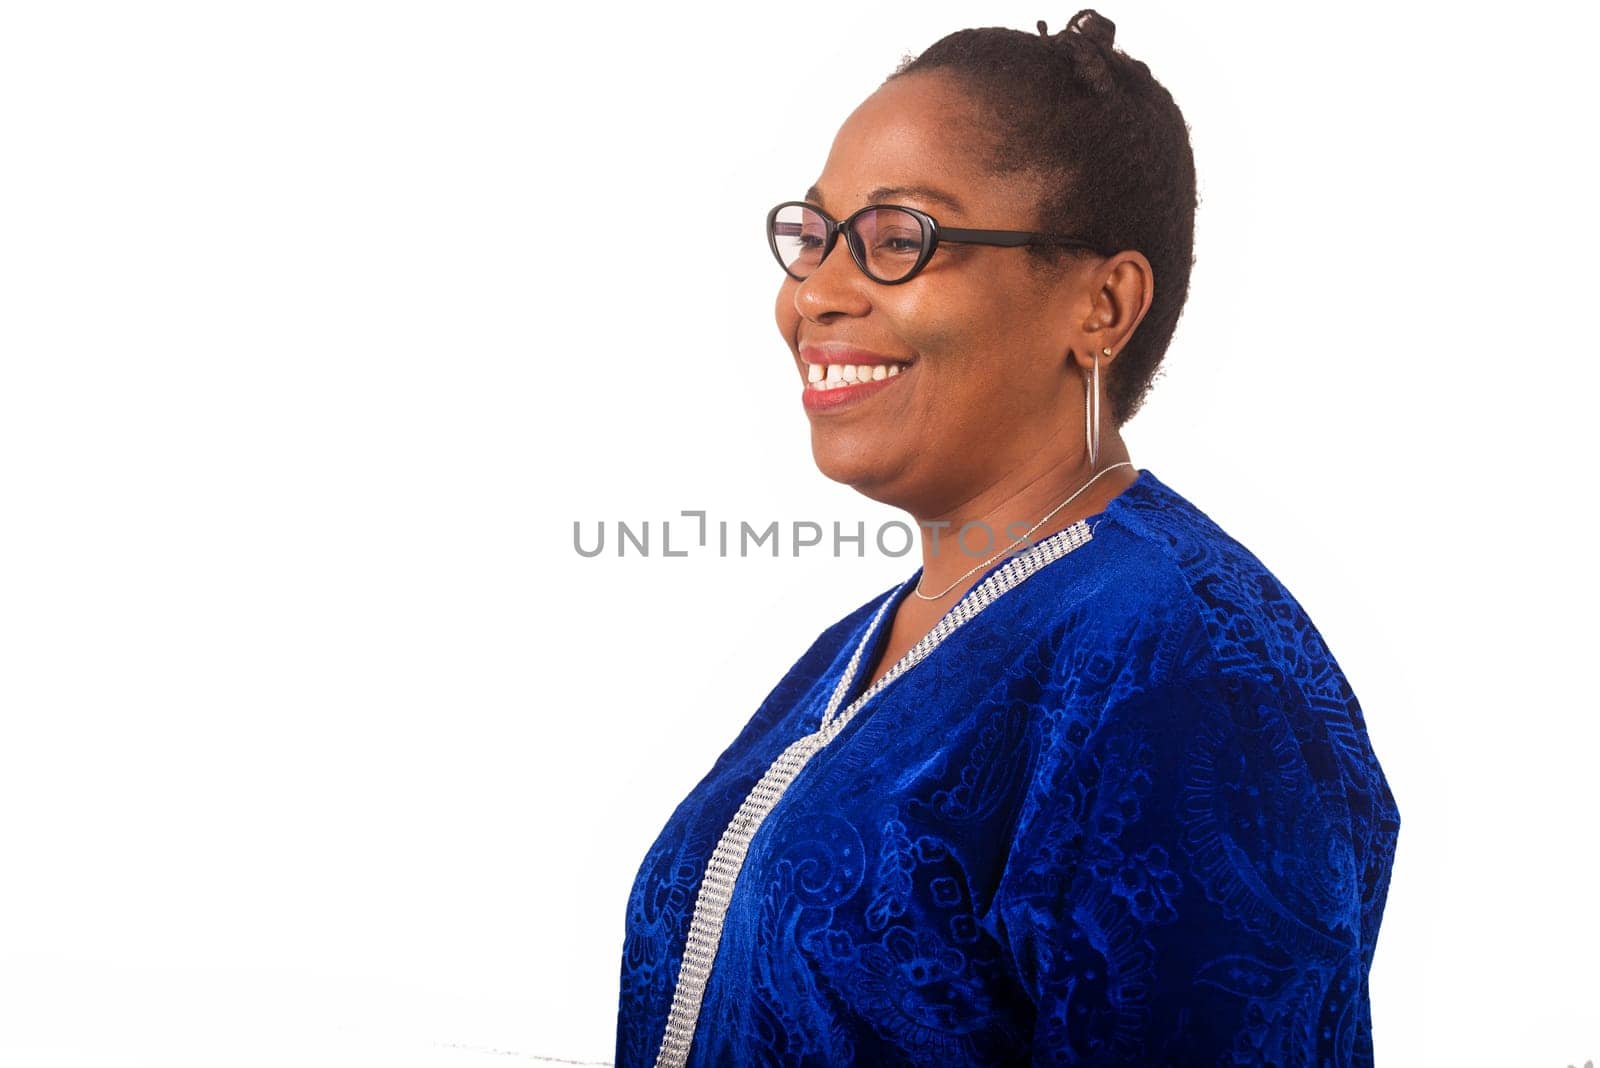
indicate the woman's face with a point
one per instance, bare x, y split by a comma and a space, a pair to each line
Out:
990, 380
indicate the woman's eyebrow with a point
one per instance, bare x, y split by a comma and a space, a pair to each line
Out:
893, 192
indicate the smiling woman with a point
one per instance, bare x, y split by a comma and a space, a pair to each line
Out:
1095, 792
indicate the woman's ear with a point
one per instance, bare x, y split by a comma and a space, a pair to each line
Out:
1120, 296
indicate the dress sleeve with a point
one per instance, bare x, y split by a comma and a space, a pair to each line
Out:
1182, 886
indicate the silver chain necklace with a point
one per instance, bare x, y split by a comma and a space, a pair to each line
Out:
1048, 515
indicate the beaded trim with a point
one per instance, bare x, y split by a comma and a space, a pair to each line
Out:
722, 870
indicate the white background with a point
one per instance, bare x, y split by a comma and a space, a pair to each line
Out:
321, 324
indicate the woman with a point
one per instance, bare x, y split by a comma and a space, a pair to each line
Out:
1087, 788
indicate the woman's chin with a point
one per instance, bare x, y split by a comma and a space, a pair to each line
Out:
867, 471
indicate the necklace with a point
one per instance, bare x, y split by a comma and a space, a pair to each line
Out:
936, 596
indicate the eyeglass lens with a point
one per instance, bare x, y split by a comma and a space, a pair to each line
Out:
887, 239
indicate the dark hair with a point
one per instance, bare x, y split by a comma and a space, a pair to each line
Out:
1111, 147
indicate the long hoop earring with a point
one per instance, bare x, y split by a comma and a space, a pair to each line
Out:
1091, 410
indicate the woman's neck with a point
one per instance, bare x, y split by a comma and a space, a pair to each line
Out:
977, 534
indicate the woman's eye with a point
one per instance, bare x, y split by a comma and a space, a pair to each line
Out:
901, 244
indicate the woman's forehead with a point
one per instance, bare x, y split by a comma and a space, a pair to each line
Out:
913, 141
917, 117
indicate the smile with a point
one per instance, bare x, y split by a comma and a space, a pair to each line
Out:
839, 376
839, 386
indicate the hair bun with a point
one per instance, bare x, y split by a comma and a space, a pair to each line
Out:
1087, 23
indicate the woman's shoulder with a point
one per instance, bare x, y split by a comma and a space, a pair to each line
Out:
1165, 545
1194, 634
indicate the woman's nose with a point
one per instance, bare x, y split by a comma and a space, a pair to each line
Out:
837, 284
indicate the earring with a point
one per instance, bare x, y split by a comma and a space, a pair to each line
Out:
1091, 409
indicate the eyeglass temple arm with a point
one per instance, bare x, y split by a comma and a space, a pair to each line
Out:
1007, 238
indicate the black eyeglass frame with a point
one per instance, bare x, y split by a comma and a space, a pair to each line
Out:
932, 235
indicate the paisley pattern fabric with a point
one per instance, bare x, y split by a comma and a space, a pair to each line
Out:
1127, 815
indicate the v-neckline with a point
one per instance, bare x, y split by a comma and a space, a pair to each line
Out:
873, 643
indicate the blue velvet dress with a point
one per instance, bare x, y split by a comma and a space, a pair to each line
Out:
1127, 814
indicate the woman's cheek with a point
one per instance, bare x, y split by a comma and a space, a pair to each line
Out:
931, 329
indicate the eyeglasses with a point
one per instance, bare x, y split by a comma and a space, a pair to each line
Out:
889, 242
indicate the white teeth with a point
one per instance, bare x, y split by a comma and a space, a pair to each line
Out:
836, 375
